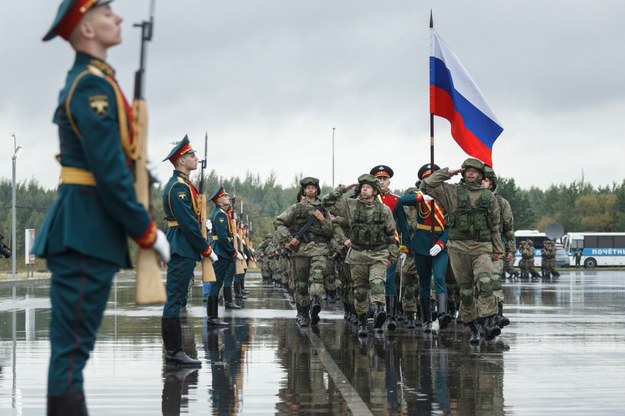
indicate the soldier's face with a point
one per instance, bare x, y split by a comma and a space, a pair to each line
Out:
486, 183
310, 191
366, 190
105, 25
385, 182
189, 161
471, 174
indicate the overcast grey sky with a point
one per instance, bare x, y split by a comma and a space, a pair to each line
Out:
269, 79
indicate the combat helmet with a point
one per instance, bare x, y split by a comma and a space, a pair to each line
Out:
309, 180
369, 179
473, 163
489, 173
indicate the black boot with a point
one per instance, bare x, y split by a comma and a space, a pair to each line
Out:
502, 321
331, 295
475, 332
379, 317
354, 316
69, 404
391, 323
426, 315
172, 338
314, 310
490, 329
410, 320
212, 313
229, 303
243, 290
303, 316
400, 315
362, 326
443, 316
238, 291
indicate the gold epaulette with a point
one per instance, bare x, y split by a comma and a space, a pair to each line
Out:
172, 223
76, 176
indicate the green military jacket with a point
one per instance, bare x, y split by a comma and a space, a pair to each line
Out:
289, 221
447, 194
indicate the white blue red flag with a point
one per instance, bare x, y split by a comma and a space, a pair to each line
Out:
455, 96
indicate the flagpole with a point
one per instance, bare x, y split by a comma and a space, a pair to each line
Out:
432, 206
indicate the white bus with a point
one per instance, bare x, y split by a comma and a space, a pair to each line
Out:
598, 249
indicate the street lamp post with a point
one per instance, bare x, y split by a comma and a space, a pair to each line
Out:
16, 152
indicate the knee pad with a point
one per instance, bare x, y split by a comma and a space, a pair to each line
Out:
485, 285
316, 275
302, 288
360, 294
409, 292
496, 281
466, 295
377, 286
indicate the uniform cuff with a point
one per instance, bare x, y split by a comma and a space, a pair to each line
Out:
440, 243
148, 238
207, 252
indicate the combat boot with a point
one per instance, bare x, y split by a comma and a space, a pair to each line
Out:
314, 310
354, 316
331, 295
391, 324
238, 291
304, 316
172, 339
69, 404
502, 321
362, 326
490, 329
426, 315
443, 316
379, 317
475, 332
212, 313
229, 303
410, 320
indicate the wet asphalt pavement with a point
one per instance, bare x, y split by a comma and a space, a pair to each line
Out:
563, 354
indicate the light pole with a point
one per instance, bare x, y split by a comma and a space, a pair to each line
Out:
16, 152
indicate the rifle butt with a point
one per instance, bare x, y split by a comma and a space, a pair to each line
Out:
149, 285
252, 264
239, 268
208, 272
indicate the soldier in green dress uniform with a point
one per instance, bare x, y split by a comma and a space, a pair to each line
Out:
181, 206
84, 236
223, 246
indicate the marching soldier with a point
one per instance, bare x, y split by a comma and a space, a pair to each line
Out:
223, 246
474, 241
506, 226
527, 256
429, 249
84, 235
181, 206
548, 262
384, 174
372, 247
309, 249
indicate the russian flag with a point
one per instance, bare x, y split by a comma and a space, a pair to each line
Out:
455, 96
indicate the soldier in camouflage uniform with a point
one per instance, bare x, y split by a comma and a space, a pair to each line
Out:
309, 255
474, 242
548, 262
262, 252
527, 255
506, 227
371, 228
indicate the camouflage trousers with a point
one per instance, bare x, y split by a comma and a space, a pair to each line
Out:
368, 282
474, 276
265, 269
308, 275
346, 289
548, 265
331, 272
408, 285
527, 265
496, 277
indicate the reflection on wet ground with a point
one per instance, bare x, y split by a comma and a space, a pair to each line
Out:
563, 354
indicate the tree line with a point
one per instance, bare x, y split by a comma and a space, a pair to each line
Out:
578, 206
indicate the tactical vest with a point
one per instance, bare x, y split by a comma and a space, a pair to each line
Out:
471, 222
302, 213
369, 234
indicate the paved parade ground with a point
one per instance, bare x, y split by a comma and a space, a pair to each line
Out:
563, 354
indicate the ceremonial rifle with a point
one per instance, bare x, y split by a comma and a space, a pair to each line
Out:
149, 285
208, 273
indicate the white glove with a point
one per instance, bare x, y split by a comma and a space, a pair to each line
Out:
402, 258
426, 197
209, 225
245, 257
152, 172
435, 250
161, 245
213, 256
239, 256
